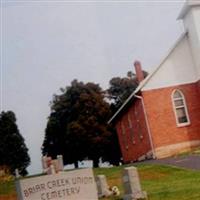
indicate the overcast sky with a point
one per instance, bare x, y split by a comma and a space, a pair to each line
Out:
47, 44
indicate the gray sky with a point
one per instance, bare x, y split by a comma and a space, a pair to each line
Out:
45, 45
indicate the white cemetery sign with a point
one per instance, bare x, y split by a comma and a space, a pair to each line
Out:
73, 185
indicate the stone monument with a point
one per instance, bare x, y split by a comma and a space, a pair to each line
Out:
71, 185
132, 187
102, 186
52, 166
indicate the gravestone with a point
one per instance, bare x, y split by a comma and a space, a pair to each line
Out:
55, 163
17, 175
60, 162
51, 170
44, 163
102, 186
72, 185
47, 163
132, 187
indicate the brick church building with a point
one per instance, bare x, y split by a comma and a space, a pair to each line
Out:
162, 116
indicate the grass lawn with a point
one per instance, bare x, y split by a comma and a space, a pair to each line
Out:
7, 187
161, 182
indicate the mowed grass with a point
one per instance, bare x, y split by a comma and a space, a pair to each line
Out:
7, 187
159, 181
170, 183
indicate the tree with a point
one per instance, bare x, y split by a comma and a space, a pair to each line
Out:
77, 126
13, 151
112, 149
121, 88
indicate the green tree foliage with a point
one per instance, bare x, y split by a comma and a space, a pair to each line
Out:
77, 126
112, 149
121, 88
13, 151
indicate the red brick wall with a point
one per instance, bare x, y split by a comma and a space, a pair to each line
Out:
198, 85
135, 140
161, 115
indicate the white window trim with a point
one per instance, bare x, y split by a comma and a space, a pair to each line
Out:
183, 106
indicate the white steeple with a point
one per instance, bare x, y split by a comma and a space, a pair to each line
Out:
190, 14
187, 6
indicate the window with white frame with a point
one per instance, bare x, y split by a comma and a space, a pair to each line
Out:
180, 108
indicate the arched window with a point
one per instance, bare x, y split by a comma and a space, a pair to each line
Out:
180, 108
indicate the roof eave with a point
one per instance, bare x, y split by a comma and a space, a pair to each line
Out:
187, 6
123, 106
145, 81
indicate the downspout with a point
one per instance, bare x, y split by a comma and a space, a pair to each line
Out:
147, 123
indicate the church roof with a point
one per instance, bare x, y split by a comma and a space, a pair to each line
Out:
145, 81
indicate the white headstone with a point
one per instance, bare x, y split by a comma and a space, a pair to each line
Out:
17, 175
60, 162
44, 163
72, 185
52, 169
132, 187
55, 163
102, 186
